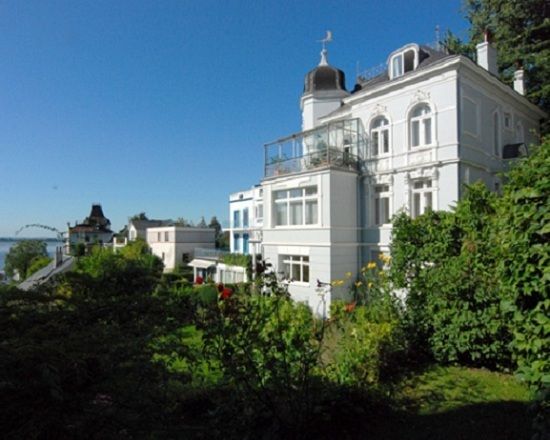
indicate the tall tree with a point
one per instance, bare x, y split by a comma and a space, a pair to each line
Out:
140, 216
202, 223
521, 34
22, 254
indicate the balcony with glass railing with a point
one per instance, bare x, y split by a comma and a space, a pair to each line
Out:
339, 144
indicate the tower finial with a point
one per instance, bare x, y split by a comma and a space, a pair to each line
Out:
324, 52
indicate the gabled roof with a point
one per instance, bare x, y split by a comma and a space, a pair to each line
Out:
46, 273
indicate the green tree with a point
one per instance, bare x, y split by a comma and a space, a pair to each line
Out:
140, 216
215, 224
447, 261
524, 237
21, 255
521, 34
202, 223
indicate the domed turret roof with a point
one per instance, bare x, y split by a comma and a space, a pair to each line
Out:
324, 77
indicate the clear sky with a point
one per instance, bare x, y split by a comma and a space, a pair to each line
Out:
164, 106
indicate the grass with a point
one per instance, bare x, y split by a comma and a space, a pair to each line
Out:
454, 403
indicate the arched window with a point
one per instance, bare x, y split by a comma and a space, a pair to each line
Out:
421, 126
496, 134
380, 136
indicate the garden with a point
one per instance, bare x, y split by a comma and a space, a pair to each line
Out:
117, 349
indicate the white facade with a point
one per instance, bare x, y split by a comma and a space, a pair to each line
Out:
406, 140
246, 212
174, 244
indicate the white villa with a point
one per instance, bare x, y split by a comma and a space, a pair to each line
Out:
405, 139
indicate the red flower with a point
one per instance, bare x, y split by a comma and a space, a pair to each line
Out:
199, 280
349, 307
226, 293
220, 287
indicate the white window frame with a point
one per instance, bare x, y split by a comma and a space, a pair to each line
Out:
476, 106
288, 262
290, 198
421, 120
259, 213
496, 134
166, 236
380, 136
520, 133
396, 66
507, 120
424, 189
237, 218
381, 192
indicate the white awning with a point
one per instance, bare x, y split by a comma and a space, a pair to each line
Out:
202, 264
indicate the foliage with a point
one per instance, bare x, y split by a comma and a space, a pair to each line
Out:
524, 267
447, 262
202, 223
140, 216
521, 34
237, 260
76, 357
268, 348
38, 263
365, 349
21, 255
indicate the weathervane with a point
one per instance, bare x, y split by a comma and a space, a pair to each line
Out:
324, 41
327, 39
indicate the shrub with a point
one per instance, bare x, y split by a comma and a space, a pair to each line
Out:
447, 262
267, 348
364, 349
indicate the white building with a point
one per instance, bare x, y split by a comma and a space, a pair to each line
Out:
405, 139
246, 218
176, 244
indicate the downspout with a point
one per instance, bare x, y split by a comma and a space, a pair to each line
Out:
459, 132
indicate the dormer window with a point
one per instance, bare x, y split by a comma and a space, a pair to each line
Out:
403, 61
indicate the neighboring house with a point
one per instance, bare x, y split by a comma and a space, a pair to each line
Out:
246, 219
95, 229
176, 245
138, 228
405, 139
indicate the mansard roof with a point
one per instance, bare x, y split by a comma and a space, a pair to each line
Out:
428, 56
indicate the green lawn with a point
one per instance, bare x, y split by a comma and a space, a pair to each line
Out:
457, 403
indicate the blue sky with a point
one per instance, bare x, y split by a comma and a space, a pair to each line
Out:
164, 106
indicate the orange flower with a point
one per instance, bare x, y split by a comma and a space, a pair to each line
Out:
349, 307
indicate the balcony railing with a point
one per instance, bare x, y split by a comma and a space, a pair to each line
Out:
339, 144
210, 254
330, 157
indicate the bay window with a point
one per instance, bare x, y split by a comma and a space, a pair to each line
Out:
296, 207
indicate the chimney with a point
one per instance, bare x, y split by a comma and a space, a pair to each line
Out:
487, 54
519, 82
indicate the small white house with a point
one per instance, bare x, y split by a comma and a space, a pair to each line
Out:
176, 244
